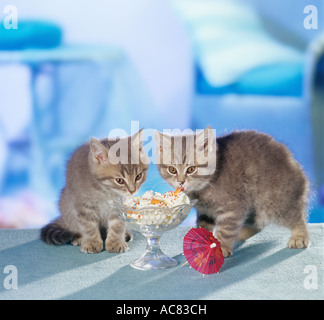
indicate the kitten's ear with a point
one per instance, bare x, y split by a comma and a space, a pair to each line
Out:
205, 140
137, 146
99, 151
137, 139
158, 140
163, 142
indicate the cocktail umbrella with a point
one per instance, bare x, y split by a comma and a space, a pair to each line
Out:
203, 251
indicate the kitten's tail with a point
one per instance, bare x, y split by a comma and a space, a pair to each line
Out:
53, 233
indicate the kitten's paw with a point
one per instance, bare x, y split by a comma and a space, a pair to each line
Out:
116, 246
92, 246
298, 242
227, 252
76, 241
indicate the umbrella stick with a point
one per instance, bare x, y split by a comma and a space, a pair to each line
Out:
184, 264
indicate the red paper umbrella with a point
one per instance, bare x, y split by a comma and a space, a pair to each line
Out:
203, 251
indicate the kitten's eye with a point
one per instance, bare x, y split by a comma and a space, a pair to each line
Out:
120, 181
191, 169
172, 170
139, 177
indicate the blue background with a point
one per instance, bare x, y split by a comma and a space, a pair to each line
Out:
76, 70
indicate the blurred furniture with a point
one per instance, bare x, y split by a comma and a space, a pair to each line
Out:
244, 78
77, 91
31, 35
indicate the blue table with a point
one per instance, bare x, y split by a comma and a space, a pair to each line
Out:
261, 268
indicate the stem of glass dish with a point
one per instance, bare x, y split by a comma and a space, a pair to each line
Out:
153, 257
153, 244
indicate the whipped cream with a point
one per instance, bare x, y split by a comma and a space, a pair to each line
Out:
154, 204
168, 199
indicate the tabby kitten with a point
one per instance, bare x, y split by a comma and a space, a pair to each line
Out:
93, 177
255, 181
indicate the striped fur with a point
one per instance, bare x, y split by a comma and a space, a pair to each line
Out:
88, 219
256, 182
54, 234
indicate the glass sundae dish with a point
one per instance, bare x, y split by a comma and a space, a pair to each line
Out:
152, 215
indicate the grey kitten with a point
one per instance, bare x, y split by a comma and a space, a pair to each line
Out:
94, 176
254, 181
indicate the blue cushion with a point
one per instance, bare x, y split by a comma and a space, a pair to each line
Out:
30, 34
234, 51
276, 80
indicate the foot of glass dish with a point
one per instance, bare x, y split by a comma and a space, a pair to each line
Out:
153, 258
